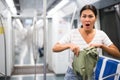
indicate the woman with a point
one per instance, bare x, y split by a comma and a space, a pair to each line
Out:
83, 37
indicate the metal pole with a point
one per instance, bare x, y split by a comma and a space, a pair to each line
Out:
35, 41
45, 37
35, 47
71, 24
73, 16
5, 58
25, 16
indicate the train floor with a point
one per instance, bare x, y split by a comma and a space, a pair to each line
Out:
37, 77
34, 77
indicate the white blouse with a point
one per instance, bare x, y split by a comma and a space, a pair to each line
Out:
75, 37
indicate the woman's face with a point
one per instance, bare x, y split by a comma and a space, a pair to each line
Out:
88, 19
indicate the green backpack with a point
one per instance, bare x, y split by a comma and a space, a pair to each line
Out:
85, 62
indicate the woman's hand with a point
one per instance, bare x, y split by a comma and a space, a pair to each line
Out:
60, 47
112, 49
74, 48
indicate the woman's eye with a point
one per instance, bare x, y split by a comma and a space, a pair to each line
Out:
90, 16
84, 16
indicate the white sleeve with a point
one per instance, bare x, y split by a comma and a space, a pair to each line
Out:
106, 39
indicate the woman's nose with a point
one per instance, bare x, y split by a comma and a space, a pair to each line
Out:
87, 19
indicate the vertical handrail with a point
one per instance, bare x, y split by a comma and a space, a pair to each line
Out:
35, 38
34, 41
73, 16
45, 37
71, 24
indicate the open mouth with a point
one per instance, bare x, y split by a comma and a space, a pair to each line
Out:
87, 24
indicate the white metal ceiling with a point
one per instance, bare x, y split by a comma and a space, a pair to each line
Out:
28, 6
83, 2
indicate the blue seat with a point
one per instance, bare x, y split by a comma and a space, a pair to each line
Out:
107, 69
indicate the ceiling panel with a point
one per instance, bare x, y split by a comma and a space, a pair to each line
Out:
81, 3
28, 6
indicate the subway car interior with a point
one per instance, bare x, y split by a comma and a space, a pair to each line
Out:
30, 28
